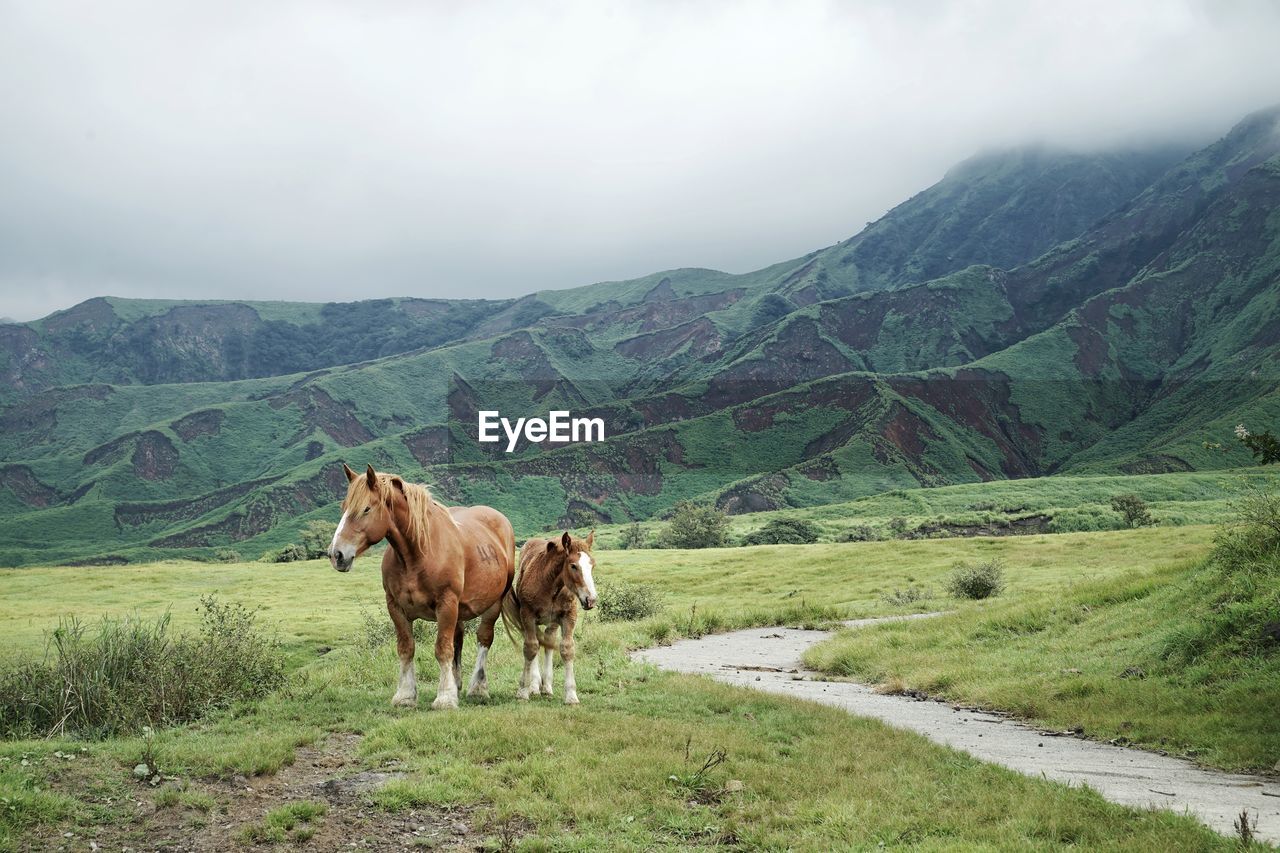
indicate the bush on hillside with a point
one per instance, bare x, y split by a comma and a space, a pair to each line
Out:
226, 555
1133, 510
291, 553
1239, 587
861, 533
632, 537
130, 673
621, 601
977, 580
695, 526
784, 531
316, 537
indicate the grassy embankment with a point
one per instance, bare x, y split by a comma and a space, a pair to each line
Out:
597, 774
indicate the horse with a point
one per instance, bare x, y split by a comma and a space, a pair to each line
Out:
555, 576
447, 565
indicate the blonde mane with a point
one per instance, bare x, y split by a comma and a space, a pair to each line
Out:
418, 496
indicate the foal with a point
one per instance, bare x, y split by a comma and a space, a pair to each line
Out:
555, 575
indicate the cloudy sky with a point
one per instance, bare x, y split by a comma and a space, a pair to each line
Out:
336, 151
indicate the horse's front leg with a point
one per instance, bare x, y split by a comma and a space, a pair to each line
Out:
407, 692
446, 623
566, 654
529, 678
548, 657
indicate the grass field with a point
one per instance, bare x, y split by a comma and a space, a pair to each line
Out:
1067, 503
1167, 658
620, 770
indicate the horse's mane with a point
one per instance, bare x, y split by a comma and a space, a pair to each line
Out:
418, 496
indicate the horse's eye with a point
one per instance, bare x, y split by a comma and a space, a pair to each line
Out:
366, 509
574, 567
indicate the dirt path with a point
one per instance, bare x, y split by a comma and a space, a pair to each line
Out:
769, 659
328, 775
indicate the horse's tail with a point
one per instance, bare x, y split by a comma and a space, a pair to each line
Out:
511, 622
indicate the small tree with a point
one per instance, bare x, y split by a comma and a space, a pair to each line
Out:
633, 537
1133, 509
695, 526
315, 539
1264, 446
784, 531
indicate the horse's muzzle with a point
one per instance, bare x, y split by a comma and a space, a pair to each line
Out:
588, 601
340, 562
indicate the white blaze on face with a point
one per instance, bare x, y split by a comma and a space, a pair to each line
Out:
584, 562
339, 545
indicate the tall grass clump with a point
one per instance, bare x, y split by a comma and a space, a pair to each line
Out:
977, 580
1239, 588
621, 601
129, 673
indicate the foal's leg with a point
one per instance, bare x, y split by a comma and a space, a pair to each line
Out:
548, 656
529, 678
407, 691
479, 686
446, 623
566, 654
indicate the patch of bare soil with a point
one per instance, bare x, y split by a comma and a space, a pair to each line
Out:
329, 774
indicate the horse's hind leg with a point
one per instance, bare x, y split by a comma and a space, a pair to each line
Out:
459, 633
479, 686
548, 641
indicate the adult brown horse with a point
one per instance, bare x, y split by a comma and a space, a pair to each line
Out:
446, 565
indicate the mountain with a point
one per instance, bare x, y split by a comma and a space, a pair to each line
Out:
1035, 311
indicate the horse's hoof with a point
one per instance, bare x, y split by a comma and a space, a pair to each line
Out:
445, 703
522, 695
547, 691
399, 701
571, 699
478, 693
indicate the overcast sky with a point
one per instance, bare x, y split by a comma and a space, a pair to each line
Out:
338, 151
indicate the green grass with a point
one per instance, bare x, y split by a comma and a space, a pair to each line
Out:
288, 822
813, 778
1075, 503
1103, 655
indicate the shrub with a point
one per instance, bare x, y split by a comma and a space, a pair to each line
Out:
621, 601
898, 526
316, 537
1133, 510
291, 553
861, 533
1264, 446
226, 555
632, 537
784, 531
132, 673
910, 595
977, 580
695, 526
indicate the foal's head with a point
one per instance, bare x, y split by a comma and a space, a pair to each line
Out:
366, 515
577, 565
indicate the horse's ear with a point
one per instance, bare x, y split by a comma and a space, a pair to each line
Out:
552, 546
398, 483
351, 475
566, 540
591, 539
372, 477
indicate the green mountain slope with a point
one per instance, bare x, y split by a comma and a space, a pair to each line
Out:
1034, 312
